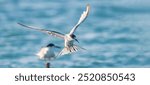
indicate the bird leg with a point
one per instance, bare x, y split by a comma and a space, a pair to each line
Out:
47, 65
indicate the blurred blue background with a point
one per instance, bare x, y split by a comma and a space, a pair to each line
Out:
115, 34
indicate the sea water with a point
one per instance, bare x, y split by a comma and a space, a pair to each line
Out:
115, 34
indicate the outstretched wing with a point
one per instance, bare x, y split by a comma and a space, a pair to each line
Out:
82, 18
53, 33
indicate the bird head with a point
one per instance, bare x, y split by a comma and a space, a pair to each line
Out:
74, 37
52, 45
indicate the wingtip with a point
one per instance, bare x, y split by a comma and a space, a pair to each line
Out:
19, 23
88, 6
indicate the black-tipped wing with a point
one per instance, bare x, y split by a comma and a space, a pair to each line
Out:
53, 33
82, 18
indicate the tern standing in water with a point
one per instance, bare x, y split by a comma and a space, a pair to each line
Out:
47, 53
69, 38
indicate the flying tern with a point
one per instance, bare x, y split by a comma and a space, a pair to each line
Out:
69, 38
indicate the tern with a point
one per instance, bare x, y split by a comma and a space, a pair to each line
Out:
69, 38
47, 53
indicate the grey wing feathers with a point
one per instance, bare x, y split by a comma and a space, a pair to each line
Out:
53, 33
56, 34
82, 18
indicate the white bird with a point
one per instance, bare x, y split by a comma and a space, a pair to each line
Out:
47, 53
69, 38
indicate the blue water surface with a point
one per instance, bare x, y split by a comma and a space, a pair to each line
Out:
115, 34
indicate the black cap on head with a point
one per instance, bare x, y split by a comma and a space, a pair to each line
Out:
50, 45
73, 36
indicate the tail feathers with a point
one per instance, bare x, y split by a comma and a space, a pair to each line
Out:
68, 50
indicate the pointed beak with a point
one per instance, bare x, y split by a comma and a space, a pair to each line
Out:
57, 47
76, 40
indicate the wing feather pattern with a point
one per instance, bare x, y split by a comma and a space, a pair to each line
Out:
53, 33
82, 19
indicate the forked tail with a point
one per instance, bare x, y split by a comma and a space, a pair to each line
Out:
69, 50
